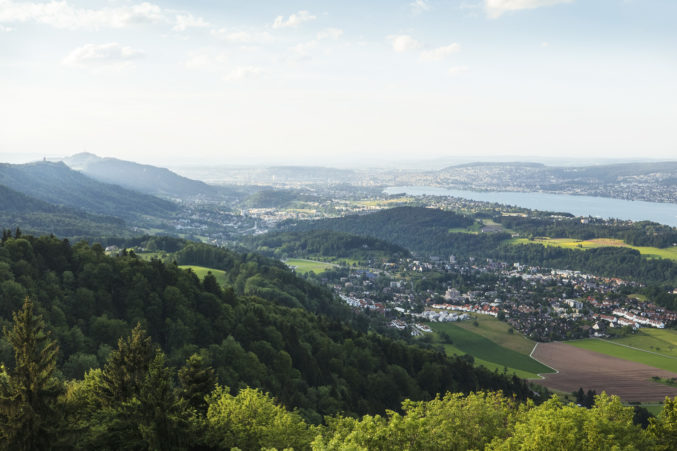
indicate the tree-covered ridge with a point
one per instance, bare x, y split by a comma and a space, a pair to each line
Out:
269, 330
139, 177
324, 243
643, 233
417, 229
33, 215
57, 184
135, 403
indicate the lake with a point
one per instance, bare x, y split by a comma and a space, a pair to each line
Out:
601, 207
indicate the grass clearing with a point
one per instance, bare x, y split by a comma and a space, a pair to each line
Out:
488, 353
303, 266
497, 331
202, 271
661, 341
150, 255
571, 243
623, 351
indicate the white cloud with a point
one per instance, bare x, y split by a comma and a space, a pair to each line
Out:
419, 6
4, 29
303, 50
457, 70
103, 56
293, 20
496, 8
330, 33
403, 43
61, 14
187, 20
440, 52
241, 36
243, 72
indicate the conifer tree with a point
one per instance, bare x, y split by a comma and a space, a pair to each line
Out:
164, 420
197, 381
127, 366
29, 391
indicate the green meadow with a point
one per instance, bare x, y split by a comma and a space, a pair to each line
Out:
488, 353
302, 266
619, 349
202, 271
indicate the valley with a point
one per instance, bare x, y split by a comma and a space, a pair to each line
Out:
334, 289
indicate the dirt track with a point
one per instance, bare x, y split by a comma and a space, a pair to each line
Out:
594, 371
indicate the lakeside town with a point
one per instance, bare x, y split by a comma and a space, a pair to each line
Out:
542, 304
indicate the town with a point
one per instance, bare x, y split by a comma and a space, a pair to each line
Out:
543, 304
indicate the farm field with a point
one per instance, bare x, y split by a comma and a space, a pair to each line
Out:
583, 368
302, 266
661, 341
624, 351
202, 271
497, 331
488, 353
571, 243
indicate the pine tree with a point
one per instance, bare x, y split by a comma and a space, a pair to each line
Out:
197, 381
163, 420
127, 366
28, 392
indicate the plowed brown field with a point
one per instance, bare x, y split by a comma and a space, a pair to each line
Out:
594, 371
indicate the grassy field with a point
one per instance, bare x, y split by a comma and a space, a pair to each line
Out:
621, 350
488, 353
497, 331
150, 255
303, 266
201, 272
661, 341
570, 243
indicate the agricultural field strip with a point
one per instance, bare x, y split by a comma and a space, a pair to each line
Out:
638, 349
573, 243
311, 261
555, 370
628, 353
478, 346
593, 370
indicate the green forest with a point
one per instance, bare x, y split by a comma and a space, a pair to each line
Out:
136, 401
323, 243
114, 333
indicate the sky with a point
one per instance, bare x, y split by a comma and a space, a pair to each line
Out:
344, 83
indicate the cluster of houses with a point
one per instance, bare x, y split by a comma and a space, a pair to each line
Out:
623, 317
482, 309
435, 316
416, 330
541, 303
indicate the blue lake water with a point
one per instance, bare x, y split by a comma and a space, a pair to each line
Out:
601, 207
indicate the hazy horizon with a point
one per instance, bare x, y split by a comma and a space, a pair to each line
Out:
401, 164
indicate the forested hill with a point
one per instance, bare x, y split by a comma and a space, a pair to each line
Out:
417, 229
139, 177
29, 214
435, 232
323, 243
267, 328
57, 184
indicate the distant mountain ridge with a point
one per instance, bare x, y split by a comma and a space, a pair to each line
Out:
139, 177
34, 215
56, 183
